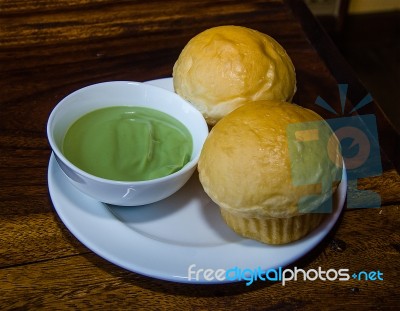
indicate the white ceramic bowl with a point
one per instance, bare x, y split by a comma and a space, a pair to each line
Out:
124, 93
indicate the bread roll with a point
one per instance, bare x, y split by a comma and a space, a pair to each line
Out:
223, 67
270, 166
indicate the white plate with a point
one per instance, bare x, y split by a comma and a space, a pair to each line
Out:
163, 239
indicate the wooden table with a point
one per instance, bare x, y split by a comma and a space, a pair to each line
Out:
51, 48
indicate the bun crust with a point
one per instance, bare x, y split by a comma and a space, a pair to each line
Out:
223, 67
249, 167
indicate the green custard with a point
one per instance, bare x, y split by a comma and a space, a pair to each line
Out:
128, 143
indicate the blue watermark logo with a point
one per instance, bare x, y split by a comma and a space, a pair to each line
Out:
359, 144
279, 274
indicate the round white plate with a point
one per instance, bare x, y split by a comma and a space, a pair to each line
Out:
162, 240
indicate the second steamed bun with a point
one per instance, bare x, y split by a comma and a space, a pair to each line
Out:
224, 67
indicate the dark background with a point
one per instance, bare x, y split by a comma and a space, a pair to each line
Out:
370, 43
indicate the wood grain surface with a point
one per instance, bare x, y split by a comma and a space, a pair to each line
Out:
51, 48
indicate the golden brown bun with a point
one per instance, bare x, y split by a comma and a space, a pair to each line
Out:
226, 66
261, 159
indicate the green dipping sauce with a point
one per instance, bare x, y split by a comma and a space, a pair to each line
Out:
128, 143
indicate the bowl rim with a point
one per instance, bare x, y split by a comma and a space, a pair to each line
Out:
55, 149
